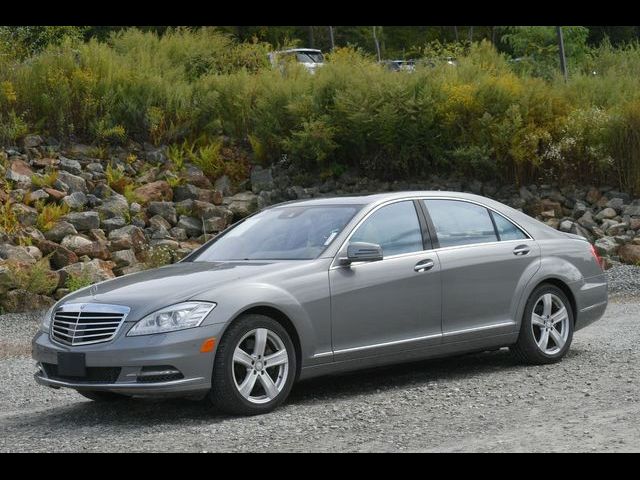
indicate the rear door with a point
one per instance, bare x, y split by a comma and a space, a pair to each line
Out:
486, 261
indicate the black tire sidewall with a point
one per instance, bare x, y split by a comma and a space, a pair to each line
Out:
527, 339
223, 367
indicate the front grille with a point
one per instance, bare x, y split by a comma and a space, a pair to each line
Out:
94, 374
84, 324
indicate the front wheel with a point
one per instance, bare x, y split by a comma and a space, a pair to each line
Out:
547, 327
254, 368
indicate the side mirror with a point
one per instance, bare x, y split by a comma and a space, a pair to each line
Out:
362, 252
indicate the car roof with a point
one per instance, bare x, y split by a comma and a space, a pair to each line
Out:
375, 198
293, 50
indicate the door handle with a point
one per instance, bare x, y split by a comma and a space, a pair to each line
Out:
423, 265
521, 250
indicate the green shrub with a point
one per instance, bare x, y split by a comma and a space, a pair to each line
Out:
76, 281
37, 278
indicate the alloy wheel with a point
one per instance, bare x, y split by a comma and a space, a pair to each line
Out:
260, 365
550, 324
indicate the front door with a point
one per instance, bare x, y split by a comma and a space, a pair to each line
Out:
391, 304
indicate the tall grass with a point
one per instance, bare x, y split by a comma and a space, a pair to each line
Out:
481, 119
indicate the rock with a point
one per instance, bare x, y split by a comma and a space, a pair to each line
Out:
186, 192
45, 162
157, 222
579, 209
192, 226
97, 234
95, 168
606, 246
587, 220
27, 216
32, 141
95, 271
23, 300
204, 210
261, 179
19, 171
97, 249
7, 279
583, 232
214, 225
55, 194
617, 229
593, 195
196, 177
113, 223
124, 258
616, 203
243, 204
553, 222
634, 223
75, 201
178, 233
607, 212
59, 256
38, 195
60, 230
75, 242
630, 254
165, 210
71, 166
33, 233
115, 205
72, 182
223, 184
35, 252
566, 225
135, 208
127, 237
15, 253
83, 221
526, 195
155, 191
632, 210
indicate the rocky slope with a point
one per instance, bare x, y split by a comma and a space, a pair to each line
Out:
74, 215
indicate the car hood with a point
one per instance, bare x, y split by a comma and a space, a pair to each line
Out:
150, 290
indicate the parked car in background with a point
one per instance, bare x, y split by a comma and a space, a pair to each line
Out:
400, 65
327, 285
310, 58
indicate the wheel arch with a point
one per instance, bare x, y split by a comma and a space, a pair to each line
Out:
280, 317
564, 287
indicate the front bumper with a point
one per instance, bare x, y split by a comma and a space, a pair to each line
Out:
127, 359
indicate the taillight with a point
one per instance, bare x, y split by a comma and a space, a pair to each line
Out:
596, 257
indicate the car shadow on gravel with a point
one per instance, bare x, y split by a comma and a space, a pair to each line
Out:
141, 412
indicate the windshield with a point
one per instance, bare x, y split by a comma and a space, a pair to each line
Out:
281, 233
309, 57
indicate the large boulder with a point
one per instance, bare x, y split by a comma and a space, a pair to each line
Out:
75, 201
75, 242
27, 216
165, 210
59, 256
71, 166
94, 271
127, 237
243, 204
632, 210
155, 191
73, 183
23, 300
607, 212
191, 225
606, 246
113, 205
19, 171
83, 221
60, 230
261, 179
16, 253
124, 258
630, 253
96, 249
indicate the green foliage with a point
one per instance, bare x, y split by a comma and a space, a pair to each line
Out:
37, 278
47, 179
48, 215
76, 281
8, 221
117, 178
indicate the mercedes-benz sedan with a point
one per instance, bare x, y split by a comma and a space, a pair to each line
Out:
321, 286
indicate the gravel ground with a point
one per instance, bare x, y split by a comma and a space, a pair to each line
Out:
480, 402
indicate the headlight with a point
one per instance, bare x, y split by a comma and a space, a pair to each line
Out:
45, 323
175, 317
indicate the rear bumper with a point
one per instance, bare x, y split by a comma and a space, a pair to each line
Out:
134, 356
592, 300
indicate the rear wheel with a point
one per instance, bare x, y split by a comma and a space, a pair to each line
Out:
547, 326
254, 368
100, 396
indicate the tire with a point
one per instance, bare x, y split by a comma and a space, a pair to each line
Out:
239, 387
100, 396
558, 329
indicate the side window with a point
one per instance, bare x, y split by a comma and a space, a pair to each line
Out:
460, 223
506, 229
395, 228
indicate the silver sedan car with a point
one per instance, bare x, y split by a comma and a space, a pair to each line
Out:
322, 286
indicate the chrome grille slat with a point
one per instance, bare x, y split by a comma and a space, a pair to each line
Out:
89, 323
